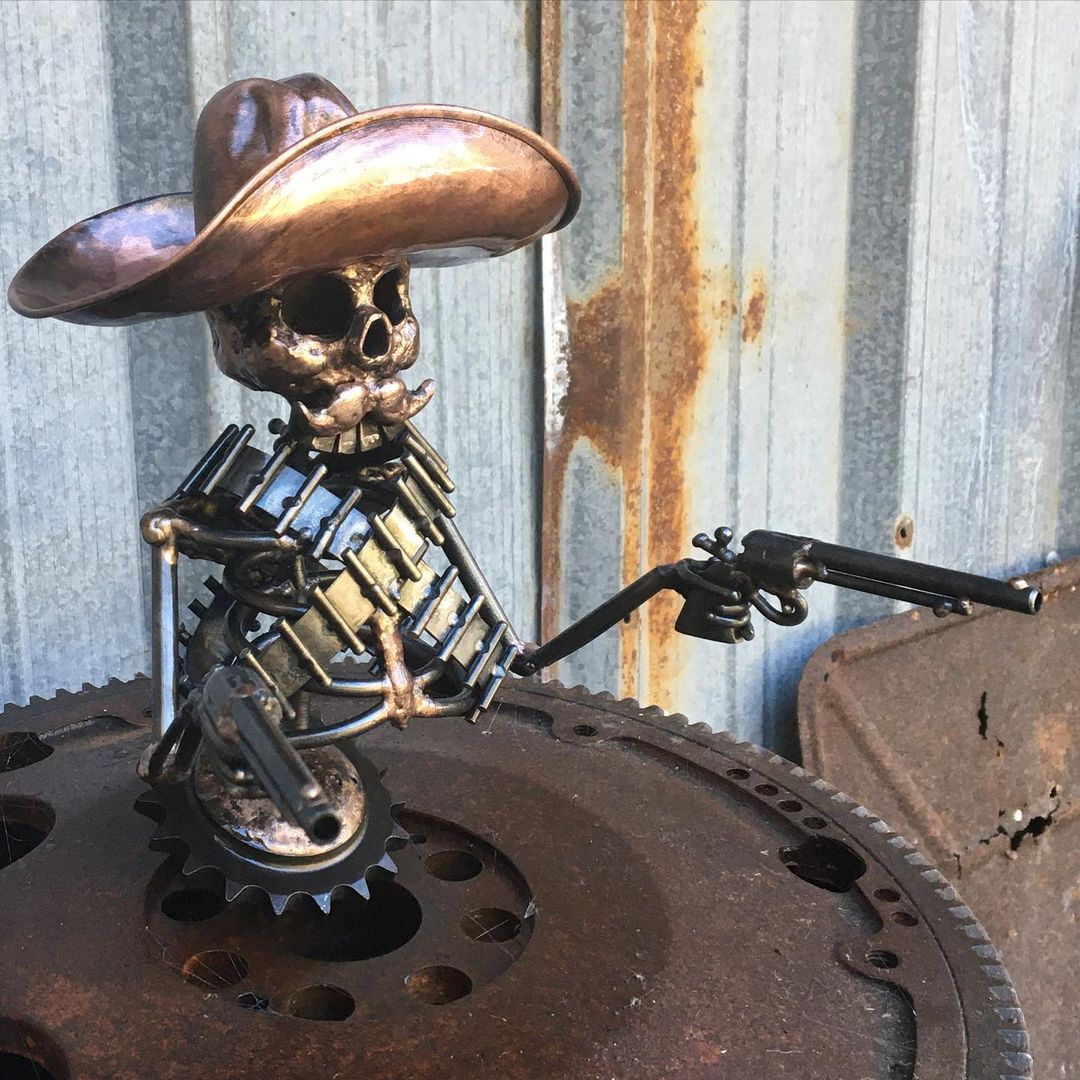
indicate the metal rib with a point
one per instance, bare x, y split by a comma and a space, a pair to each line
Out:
266, 477
243, 438
394, 549
451, 641
427, 609
304, 652
298, 500
334, 522
372, 589
206, 461
431, 489
326, 606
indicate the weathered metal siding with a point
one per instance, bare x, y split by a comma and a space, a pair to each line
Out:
825, 285
822, 281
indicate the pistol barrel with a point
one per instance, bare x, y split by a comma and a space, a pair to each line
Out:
917, 583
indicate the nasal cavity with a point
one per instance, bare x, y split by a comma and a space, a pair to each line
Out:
376, 341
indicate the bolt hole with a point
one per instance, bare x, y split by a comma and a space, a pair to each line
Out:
814, 822
253, 1002
326, 828
491, 924
21, 748
24, 823
882, 959
738, 774
825, 863
321, 1003
192, 905
890, 896
438, 985
584, 730
790, 805
904, 918
26, 1053
216, 968
453, 865
356, 929
767, 789
17, 1067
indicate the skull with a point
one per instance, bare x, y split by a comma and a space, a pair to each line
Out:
332, 344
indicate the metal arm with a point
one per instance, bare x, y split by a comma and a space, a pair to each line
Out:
768, 576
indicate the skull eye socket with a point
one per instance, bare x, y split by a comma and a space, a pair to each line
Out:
388, 296
320, 306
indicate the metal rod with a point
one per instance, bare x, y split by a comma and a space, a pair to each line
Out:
473, 577
601, 618
166, 616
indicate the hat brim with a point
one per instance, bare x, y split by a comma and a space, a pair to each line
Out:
438, 184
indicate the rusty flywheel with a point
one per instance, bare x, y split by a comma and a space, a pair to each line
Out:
590, 889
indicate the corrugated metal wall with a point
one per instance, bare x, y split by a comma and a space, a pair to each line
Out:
822, 281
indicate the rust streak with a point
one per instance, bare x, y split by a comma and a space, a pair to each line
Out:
754, 314
678, 345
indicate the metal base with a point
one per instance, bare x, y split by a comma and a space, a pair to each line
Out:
591, 890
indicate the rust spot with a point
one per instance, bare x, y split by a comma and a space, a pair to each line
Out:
754, 314
904, 532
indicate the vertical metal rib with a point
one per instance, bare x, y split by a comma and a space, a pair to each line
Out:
431, 489
334, 522
413, 435
166, 616
298, 500
266, 476
397, 553
207, 486
419, 514
206, 462
303, 652
490, 643
441, 587
371, 588
326, 606
450, 642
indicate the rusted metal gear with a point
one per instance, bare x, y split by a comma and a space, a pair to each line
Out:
275, 860
590, 889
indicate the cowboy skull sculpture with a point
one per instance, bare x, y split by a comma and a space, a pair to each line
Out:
297, 240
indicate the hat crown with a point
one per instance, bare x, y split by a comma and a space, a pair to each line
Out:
248, 124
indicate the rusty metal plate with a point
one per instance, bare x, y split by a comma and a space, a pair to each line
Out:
963, 735
590, 890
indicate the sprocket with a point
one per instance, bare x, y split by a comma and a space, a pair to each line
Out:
186, 827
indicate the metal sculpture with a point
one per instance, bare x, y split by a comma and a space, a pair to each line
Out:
305, 219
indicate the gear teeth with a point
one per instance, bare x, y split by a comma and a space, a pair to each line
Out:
323, 900
192, 866
278, 902
232, 890
388, 864
361, 889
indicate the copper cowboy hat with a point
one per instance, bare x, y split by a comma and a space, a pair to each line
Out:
288, 179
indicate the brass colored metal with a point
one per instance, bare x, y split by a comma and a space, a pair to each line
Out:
321, 187
332, 344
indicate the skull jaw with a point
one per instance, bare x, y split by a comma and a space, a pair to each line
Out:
381, 400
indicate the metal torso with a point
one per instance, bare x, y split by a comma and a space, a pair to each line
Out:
377, 548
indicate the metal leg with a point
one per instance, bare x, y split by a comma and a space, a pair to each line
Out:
166, 617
